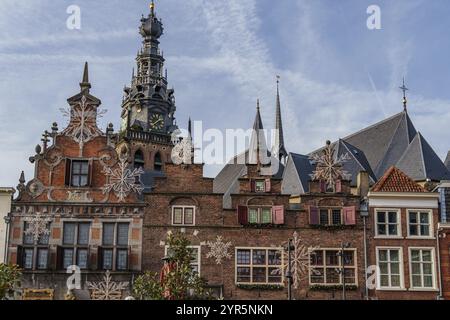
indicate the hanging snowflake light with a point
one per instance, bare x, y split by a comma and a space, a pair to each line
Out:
328, 167
83, 122
219, 250
123, 180
300, 261
107, 289
37, 226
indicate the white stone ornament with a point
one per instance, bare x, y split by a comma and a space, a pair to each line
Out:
122, 180
219, 250
37, 226
83, 122
107, 289
328, 167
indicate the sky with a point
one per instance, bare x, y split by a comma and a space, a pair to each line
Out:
337, 76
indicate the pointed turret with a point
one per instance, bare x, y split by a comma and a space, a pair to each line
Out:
85, 85
279, 147
258, 147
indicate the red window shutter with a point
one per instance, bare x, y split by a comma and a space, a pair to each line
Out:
323, 186
349, 216
242, 215
278, 215
338, 186
68, 181
268, 185
314, 218
252, 186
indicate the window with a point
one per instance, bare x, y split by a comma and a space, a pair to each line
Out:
391, 270
259, 266
422, 268
388, 223
35, 254
139, 160
114, 252
260, 186
330, 217
261, 215
184, 216
80, 174
326, 265
196, 257
75, 250
158, 165
419, 224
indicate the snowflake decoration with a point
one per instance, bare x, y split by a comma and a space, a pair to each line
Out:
219, 250
300, 260
328, 167
107, 289
83, 122
182, 152
37, 226
122, 180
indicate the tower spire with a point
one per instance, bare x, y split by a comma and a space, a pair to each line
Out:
279, 147
85, 84
405, 100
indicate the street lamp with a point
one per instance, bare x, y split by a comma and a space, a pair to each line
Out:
344, 245
7, 219
289, 249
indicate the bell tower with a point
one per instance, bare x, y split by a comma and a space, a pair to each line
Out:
148, 106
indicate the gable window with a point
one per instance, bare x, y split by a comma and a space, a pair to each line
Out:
260, 215
330, 217
422, 268
389, 260
325, 266
260, 186
259, 266
80, 174
387, 223
75, 250
114, 253
34, 255
183, 215
419, 224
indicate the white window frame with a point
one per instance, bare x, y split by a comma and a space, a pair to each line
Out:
401, 269
399, 223
354, 267
433, 269
431, 223
236, 265
184, 208
199, 256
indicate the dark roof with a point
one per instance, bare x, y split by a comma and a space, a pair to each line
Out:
304, 167
394, 180
420, 162
447, 161
357, 163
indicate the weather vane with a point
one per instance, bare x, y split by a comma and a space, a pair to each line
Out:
404, 89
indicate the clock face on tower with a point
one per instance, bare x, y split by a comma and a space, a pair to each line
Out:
157, 121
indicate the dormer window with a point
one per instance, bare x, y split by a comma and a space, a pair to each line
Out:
260, 186
78, 173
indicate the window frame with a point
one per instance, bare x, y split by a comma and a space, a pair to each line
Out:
330, 216
433, 269
324, 266
430, 223
183, 207
75, 247
263, 186
401, 269
399, 223
35, 247
115, 247
79, 175
260, 210
267, 266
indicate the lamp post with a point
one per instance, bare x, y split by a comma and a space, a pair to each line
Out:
344, 246
7, 219
289, 248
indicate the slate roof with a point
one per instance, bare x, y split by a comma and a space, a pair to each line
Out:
420, 162
304, 168
447, 161
395, 180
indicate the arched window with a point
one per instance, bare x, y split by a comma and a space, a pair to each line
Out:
139, 159
158, 162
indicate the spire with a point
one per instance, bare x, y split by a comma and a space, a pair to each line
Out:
258, 121
405, 100
279, 147
152, 8
190, 127
22, 178
258, 146
85, 85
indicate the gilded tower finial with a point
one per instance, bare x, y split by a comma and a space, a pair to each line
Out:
405, 100
152, 7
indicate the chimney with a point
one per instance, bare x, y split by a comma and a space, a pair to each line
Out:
363, 183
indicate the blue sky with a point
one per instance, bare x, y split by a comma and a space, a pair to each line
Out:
336, 75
